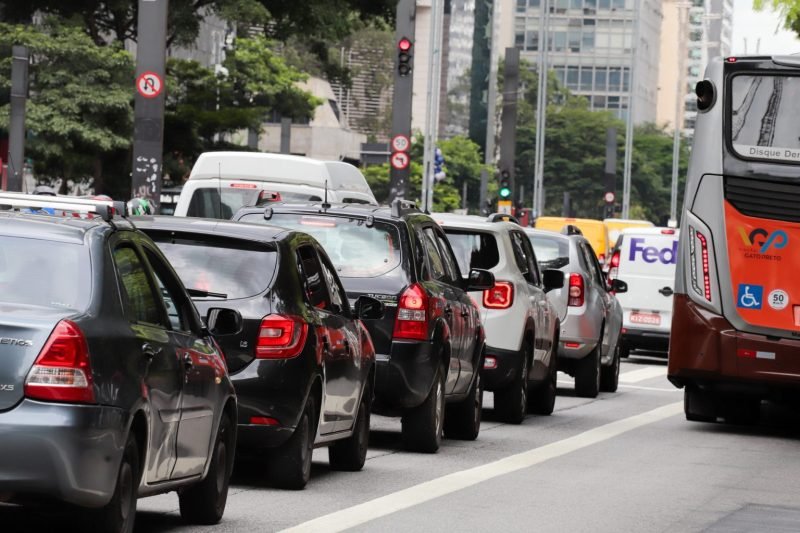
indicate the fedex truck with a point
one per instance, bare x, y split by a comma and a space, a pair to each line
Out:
645, 258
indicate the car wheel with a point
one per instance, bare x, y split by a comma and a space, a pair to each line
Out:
609, 375
511, 404
463, 420
699, 405
350, 454
422, 426
204, 503
624, 349
119, 514
587, 374
290, 464
542, 399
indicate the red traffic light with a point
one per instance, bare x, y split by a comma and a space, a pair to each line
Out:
405, 44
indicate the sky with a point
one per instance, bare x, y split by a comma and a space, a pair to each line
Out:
765, 25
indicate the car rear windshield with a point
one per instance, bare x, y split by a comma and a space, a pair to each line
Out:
473, 249
764, 117
206, 201
355, 249
46, 273
235, 268
551, 253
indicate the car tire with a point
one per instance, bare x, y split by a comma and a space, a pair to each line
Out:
542, 399
609, 375
422, 426
587, 374
290, 464
350, 454
511, 404
699, 405
624, 349
204, 503
463, 420
119, 514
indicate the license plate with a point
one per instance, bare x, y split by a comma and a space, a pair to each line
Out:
651, 319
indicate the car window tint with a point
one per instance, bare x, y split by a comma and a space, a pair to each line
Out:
435, 262
168, 288
473, 249
591, 262
450, 264
315, 288
521, 257
533, 266
140, 301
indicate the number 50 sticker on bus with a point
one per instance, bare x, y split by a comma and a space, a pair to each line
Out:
737, 292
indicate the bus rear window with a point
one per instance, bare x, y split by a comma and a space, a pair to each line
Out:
764, 116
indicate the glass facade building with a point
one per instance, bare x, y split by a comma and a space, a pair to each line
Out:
590, 49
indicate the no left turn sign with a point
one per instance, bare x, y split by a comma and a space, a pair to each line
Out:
149, 84
400, 160
400, 143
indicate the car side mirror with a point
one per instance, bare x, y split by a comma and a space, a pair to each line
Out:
618, 286
479, 280
368, 308
223, 321
552, 279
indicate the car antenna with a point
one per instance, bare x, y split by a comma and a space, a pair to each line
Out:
219, 187
325, 204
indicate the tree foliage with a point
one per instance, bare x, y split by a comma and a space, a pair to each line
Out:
789, 10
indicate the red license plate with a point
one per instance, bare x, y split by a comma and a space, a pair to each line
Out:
651, 319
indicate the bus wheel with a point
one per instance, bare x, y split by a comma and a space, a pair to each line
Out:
699, 405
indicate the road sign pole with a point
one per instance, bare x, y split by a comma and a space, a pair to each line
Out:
20, 59
148, 142
403, 92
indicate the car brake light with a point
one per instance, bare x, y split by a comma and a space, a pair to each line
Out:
244, 185
62, 371
669, 231
412, 314
501, 296
264, 421
572, 344
613, 271
575, 290
281, 337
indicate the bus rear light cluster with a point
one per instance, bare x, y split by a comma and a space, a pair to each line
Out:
696, 237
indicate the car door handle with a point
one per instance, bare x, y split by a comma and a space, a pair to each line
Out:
149, 351
666, 291
187, 361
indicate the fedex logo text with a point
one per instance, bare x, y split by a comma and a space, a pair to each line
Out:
651, 254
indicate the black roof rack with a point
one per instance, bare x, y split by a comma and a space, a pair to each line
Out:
502, 217
401, 207
571, 229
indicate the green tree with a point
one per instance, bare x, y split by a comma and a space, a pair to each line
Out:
79, 113
788, 9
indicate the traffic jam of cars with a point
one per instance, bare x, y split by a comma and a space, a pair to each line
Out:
273, 316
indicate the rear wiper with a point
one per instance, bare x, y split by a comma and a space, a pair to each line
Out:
199, 293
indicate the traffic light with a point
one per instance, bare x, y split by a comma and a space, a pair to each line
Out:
404, 56
505, 185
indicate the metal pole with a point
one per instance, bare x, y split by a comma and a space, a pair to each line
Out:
403, 93
491, 103
682, 8
626, 176
431, 117
541, 112
148, 134
20, 59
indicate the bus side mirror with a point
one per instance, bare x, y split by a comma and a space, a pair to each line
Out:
706, 95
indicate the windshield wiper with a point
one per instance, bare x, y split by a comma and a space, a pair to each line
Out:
199, 293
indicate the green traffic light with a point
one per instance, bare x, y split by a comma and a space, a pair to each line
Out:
504, 192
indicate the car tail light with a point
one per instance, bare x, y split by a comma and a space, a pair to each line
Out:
501, 296
412, 314
281, 337
62, 371
490, 363
264, 421
572, 344
668, 231
613, 271
576, 285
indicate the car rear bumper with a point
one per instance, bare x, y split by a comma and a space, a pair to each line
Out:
645, 339
404, 378
65, 452
711, 354
500, 367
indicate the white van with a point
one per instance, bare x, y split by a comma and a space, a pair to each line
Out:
645, 258
222, 182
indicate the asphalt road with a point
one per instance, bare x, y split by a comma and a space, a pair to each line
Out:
626, 461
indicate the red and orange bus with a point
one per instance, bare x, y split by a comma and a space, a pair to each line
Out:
737, 295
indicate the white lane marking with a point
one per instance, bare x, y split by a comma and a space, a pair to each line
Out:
435, 488
635, 376
622, 385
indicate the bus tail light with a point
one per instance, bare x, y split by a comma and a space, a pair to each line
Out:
501, 296
697, 239
576, 292
412, 314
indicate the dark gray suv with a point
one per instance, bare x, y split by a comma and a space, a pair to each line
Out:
110, 385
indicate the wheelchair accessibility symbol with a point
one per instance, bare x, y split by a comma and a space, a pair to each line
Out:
750, 296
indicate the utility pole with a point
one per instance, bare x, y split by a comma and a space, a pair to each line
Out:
20, 59
626, 176
491, 102
610, 173
401, 100
508, 121
432, 108
683, 14
148, 132
541, 111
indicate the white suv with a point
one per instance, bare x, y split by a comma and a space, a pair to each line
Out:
520, 323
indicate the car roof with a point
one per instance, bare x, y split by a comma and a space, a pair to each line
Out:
551, 234
53, 228
476, 223
213, 226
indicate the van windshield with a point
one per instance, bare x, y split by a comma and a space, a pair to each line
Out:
206, 201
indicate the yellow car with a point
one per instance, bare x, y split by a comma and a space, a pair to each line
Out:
594, 231
615, 225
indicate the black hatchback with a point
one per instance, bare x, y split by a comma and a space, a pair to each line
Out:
302, 362
110, 385
430, 342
